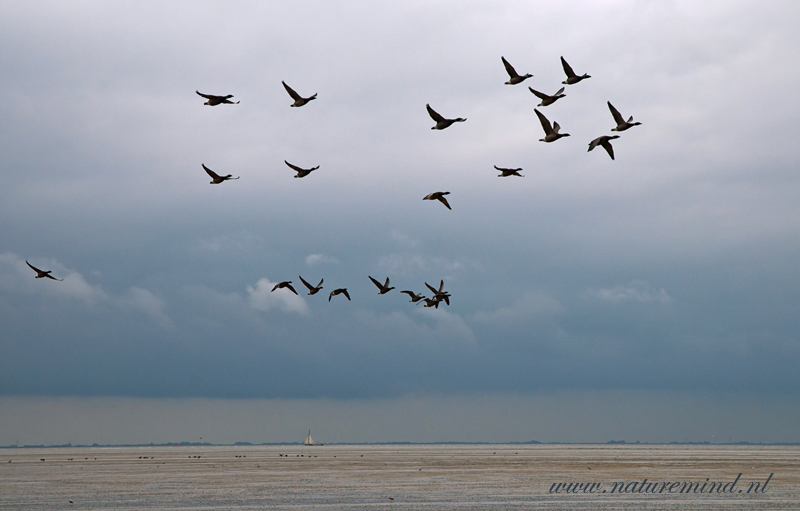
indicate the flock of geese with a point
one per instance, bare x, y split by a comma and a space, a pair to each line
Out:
439, 295
552, 132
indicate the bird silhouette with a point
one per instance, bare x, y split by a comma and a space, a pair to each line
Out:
572, 78
439, 294
604, 141
217, 100
301, 172
551, 133
515, 78
312, 290
430, 302
216, 178
622, 124
285, 284
415, 297
438, 196
441, 122
548, 100
382, 288
298, 99
341, 290
508, 172
41, 274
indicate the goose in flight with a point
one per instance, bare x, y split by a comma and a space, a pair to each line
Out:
605, 142
431, 302
312, 290
415, 297
548, 100
512, 73
298, 99
285, 284
441, 122
340, 291
572, 78
622, 124
508, 172
382, 288
439, 294
438, 196
217, 100
40, 274
216, 178
551, 133
300, 171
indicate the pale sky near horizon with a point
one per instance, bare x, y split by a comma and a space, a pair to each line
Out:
670, 271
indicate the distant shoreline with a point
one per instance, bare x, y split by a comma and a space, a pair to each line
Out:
250, 444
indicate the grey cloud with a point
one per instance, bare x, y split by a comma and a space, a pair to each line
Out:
315, 259
435, 327
530, 306
637, 291
412, 264
672, 267
18, 277
148, 303
403, 239
15, 276
263, 298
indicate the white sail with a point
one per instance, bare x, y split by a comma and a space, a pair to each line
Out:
309, 440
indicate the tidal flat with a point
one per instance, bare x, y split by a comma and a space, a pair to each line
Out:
397, 477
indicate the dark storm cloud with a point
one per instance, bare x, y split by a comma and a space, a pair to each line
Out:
671, 268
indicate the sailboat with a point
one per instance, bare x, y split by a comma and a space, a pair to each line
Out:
311, 441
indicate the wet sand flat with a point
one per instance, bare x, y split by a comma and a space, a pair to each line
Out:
392, 477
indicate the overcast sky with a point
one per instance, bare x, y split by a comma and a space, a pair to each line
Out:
672, 270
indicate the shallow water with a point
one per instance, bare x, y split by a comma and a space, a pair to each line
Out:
407, 477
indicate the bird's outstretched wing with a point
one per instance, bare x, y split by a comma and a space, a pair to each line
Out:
376, 282
545, 123
295, 96
309, 286
344, 291
34, 268
290, 288
604, 141
615, 114
435, 116
293, 167
567, 69
444, 201
607, 146
540, 95
512, 171
509, 68
210, 172
207, 96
